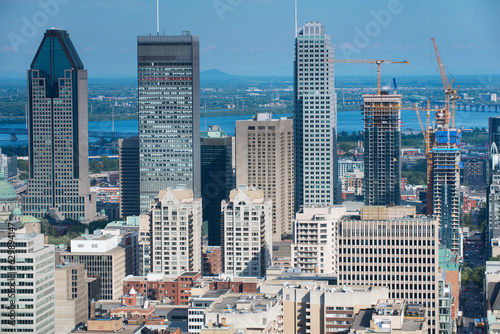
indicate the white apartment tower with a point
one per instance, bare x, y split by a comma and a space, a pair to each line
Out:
314, 247
247, 235
32, 279
315, 119
264, 159
176, 219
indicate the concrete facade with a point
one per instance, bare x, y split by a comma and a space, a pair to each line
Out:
314, 247
32, 277
71, 296
264, 159
247, 233
401, 253
382, 145
176, 219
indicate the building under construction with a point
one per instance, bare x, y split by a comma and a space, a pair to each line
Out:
382, 113
443, 184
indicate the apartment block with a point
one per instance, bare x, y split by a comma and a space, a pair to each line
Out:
71, 296
211, 261
264, 159
400, 253
443, 190
317, 308
176, 218
102, 256
382, 115
32, 280
144, 244
350, 166
314, 247
247, 232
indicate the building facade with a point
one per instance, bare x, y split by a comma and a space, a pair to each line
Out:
176, 220
401, 254
169, 114
130, 186
314, 247
247, 236
32, 279
58, 131
102, 257
313, 308
315, 119
216, 178
264, 159
443, 190
382, 115
71, 296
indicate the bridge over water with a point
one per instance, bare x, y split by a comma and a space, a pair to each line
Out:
13, 132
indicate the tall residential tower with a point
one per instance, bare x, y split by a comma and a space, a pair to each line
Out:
382, 149
169, 114
264, 159
315, 119
58, 131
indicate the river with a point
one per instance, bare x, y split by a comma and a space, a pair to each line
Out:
348, 121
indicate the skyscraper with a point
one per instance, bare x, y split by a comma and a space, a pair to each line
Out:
443, 184
169, 114
264, 159
128, 164
216, 177
382, 113
315, 119
58, 131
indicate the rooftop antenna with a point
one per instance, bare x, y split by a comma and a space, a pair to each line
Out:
157, 17
295, 18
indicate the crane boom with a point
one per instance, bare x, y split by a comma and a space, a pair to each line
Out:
379, 62
444, 78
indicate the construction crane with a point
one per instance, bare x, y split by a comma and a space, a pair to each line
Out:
425, 131
379, 62
450, 93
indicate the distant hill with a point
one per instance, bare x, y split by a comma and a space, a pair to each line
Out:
218, 75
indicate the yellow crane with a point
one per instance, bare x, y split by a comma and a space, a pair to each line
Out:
379, 62
425, 131
450, 93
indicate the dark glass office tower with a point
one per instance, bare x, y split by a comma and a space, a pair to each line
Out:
129, 176
169, 114
216, 178
58, 133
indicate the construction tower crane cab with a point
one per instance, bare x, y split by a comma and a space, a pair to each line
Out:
379, 62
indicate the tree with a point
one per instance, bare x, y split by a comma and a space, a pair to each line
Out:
495, 258
466, 275
478, 276
23, 165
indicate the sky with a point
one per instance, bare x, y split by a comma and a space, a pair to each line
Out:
256, 37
